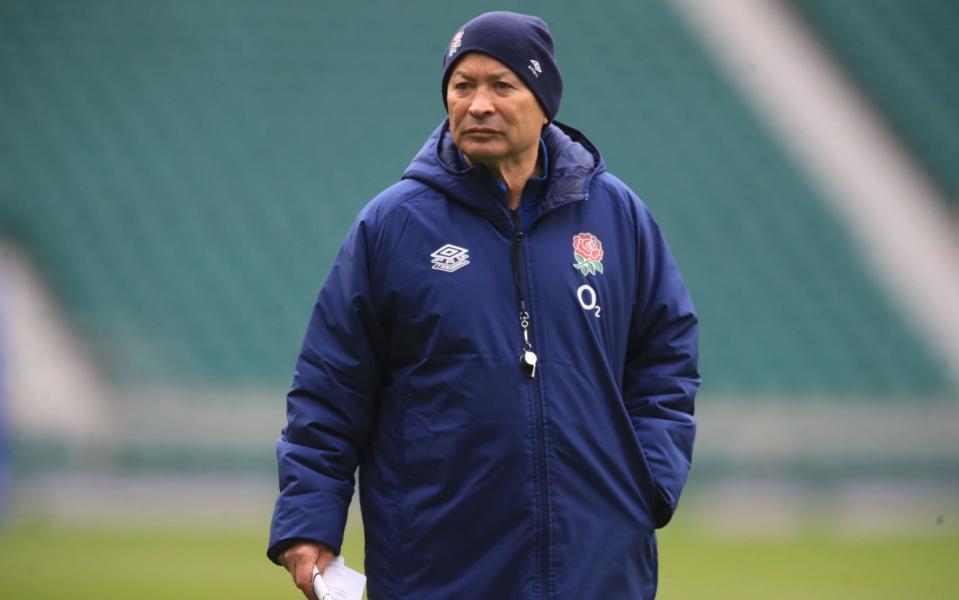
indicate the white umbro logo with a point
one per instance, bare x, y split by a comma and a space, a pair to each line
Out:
534, 68
449, 258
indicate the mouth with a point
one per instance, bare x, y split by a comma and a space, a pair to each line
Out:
481, 131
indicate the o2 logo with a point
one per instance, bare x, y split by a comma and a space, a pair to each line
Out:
587, 299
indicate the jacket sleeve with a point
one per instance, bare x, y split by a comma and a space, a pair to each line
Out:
330, 406
661, 377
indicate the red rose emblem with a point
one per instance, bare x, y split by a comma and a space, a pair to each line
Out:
588, 252
588, 246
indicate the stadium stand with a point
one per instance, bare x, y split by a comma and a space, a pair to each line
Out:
183, 173
903, 55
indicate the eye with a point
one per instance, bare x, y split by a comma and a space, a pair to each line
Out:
502, 85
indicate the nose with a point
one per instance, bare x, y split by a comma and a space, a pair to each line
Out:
481, 104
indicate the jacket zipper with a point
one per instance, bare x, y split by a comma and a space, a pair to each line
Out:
527, 357
528, 360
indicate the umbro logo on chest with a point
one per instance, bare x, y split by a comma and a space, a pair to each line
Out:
449, 258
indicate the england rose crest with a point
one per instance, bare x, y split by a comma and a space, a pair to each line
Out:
588, 252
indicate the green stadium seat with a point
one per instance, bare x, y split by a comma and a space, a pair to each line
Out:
184, 172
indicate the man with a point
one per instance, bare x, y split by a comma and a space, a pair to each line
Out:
505, 349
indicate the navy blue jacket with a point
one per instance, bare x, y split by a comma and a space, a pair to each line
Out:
477, 480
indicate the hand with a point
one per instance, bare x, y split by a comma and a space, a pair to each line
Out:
299, 560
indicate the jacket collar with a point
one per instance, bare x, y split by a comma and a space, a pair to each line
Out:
573, 162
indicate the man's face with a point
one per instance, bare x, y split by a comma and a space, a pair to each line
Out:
494, 117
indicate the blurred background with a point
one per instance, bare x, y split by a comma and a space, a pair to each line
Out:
175, 178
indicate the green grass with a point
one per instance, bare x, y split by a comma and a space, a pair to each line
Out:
45, 561
814, 565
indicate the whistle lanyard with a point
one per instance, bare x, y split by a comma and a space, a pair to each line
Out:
527, 357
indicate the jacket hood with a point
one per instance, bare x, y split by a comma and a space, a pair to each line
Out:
573, 162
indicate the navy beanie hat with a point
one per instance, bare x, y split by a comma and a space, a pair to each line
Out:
521, 42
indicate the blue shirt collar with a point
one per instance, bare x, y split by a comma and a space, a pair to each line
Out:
530, 205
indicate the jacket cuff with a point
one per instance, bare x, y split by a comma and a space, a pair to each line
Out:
316, 518
275, 551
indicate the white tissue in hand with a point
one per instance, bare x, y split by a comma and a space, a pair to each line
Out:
342, 582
